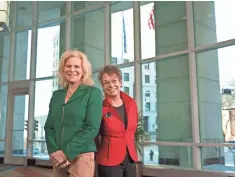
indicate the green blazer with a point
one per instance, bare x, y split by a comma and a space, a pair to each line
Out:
72, 127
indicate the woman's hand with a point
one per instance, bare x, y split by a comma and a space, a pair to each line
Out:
64, 164
58, 157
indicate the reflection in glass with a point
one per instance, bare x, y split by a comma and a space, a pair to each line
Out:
147, 23
24, 13
2, 148
166, 100
79, 5
122, 36
88, 36
49, 10
97, 82
213, 22
3, 116
128, 85
216, 94
168, 155
22, 55
4, 56
163, 28
173, 99
43, 93
50, 46
218, 158
20, 125
149, 100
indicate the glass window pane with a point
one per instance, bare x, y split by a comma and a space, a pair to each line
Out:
43, 93
149, 101
24, 14
3, 117
88, 36
128, 85
50, 46
213, 21
12, 9
97, 82
126, 90
122, 35
126, 76
216, 94
163, 28
4, 56
113, 60
48, 10
168, 155
22, 55
3, 110
167, 110
218, 158
79, 5
2, 148
19, 127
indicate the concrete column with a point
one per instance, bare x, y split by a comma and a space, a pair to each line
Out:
173, 107
170, 27
209, 95
173, 94
88, 36
210, 112
204, 22
173, 91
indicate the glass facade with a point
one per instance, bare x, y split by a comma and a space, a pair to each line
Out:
177, 60
49, 38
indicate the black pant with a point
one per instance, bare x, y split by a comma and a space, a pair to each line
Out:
126, 169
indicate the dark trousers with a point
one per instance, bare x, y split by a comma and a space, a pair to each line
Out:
126, 169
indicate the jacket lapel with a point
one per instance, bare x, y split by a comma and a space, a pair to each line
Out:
80, 91
112, 110
126, 101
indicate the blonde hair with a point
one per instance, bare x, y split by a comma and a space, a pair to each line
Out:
86, 67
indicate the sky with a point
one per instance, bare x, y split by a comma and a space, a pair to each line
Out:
226, 29
45, 47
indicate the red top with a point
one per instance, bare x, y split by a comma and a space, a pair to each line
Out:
114, 139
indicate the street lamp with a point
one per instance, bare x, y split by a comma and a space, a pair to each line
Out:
4, 15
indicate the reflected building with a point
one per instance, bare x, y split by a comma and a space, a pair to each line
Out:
56, 57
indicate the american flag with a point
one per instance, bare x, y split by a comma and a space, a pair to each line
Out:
151, 23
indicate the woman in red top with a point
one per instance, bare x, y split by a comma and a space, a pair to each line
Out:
116, 151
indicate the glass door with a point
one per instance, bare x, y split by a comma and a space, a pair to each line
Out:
17, 127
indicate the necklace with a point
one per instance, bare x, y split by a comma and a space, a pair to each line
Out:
113, 103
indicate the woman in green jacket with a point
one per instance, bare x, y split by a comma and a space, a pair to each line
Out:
74, 118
